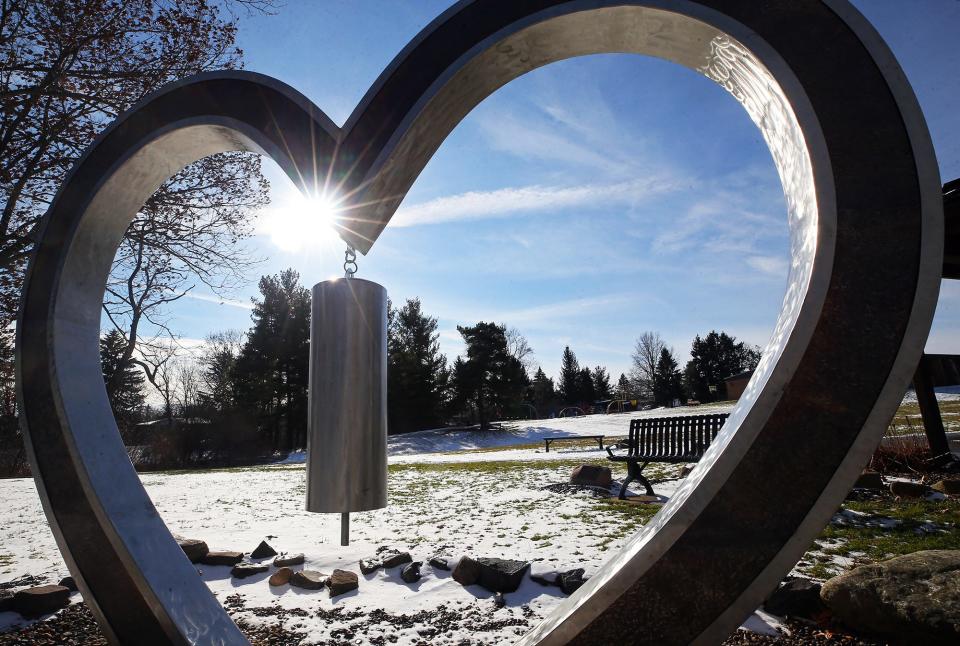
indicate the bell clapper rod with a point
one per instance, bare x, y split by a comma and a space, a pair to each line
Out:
345, 528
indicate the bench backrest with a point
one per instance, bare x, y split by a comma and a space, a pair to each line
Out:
687, 436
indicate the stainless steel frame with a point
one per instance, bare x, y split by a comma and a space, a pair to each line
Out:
865, 213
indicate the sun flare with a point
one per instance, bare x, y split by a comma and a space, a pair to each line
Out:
301, 222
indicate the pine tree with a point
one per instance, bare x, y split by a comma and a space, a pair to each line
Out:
543, 397
585, 388
624, 391
272, 371
667, 382
714, 358
601, 383
490, 378
124, 380
569, 378
417, 371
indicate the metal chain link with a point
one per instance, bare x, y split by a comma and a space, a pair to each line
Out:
349, 262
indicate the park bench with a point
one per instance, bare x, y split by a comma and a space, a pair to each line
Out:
665, 439
598, 438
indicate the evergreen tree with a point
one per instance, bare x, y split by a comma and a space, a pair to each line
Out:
585, 389
714, 358
417, 371
543, 397
490, 378
569, 378
272, 372
601, 383
667, 381
623, 387
124, 379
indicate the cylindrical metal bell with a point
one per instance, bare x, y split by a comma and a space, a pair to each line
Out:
347, 432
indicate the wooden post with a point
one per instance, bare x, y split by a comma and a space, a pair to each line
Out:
930, 411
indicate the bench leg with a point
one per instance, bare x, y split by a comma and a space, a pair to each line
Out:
635, 472
547, 442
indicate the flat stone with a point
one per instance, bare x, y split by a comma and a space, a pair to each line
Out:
287, 561
395, 559
913, 598
590, 475
411, 572
440, 563
41, 600
949, 486
795, 598
69, 583
263, 551
868, 480
467, 571
281, 576
342, 581
308, 579
195, 549
368, 566
222, 558
908, 489
571, 580
243, 570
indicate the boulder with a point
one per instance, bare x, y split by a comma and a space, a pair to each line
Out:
496, 575
949, 486
467, 571
368, 566
590, 475
411, 572
440, 563
194, 549
263, 551
868, 480
342, 581
912, 598
222, 558
287, 561
571, 580
243, 570
394, 559
795, 598
308, 579
281, 576
68, 583
908, 489
41, 600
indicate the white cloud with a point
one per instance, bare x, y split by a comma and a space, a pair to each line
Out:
775, 266
475, 205
211, 298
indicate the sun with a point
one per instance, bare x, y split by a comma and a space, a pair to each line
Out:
301, 222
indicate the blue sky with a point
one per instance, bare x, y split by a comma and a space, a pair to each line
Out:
583, 203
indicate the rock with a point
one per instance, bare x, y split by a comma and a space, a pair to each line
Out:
41, 600
440, 563
686, 469
281, 576
222, 558
795, 598
6, 601
544, 574
587, 474
949, 486
496, 575
908, 489
68, 583
243, 570
411, 572
499, 601
467, 571
571, 580
194, 549
263, 551
308, 579
369, 566
913, 598
342, 581
287, 561
868, 480
394, 559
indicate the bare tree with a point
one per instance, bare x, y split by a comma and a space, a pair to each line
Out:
519, 348
188, 383
219, 358
646, 354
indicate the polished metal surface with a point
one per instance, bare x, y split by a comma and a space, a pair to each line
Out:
347, 418
866, 246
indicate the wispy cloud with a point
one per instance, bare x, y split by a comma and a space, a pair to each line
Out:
212, 298
775, 266
475, 205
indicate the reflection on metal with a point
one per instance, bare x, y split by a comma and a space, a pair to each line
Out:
866, 257
347, 418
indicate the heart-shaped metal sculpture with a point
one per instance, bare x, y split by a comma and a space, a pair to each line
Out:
863, 195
